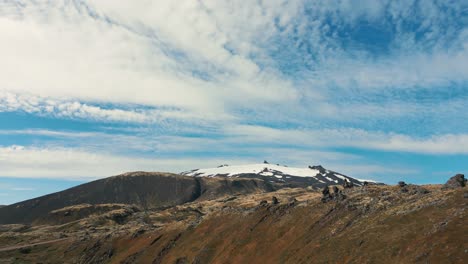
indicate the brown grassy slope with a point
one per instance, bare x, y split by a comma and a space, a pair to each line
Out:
357, 230
375, 224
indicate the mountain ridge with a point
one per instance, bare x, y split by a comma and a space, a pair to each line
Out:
315, 176
147, 190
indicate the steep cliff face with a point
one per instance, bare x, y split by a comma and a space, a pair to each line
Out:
143, 189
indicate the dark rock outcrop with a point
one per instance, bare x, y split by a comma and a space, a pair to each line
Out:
456, 181
326, 196
335, 190
349, 184
292, 201
274, 200
336, 195
412, 189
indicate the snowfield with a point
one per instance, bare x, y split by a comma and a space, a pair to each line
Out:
261, 169
310, 176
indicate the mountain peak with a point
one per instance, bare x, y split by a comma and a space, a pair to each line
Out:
316, 176
317, 167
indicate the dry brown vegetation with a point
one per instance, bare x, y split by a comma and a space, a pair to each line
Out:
373, 224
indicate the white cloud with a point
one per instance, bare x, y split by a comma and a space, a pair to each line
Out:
438, 144
22, 189
443, 144
59, 50
212, 60
74, 164
158, 53
291, 145
11, 102
69, 163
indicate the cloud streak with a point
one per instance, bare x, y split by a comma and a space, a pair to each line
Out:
73, 109
79, 164
72, 164
362, 139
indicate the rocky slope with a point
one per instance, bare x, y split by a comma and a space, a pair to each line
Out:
143, 189
362, 224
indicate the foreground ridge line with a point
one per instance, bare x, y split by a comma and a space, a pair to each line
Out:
31, 245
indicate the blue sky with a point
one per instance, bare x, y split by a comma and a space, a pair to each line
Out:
90, 89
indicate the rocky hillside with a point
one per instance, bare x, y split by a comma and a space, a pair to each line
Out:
360, 224
143, 189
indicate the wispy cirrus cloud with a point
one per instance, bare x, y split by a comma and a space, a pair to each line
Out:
358, 138
70, 163
257, 141
79, 164
74, 109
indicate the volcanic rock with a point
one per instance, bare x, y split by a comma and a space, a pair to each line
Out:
274, 200
456, 181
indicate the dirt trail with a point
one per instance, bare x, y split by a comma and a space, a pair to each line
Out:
31, 245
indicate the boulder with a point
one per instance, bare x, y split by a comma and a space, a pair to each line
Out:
337, 194
326, 196
421, 190
274, 200
456, 181
335, 189
347, 184
401, 184
325, 191
292, 201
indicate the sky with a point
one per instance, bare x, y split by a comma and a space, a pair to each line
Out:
90, 89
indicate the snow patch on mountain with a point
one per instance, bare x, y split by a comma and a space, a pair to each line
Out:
316, 176
260, 169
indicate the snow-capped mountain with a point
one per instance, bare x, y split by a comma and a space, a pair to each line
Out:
316, 176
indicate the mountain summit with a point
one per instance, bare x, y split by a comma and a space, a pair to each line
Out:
316, 176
